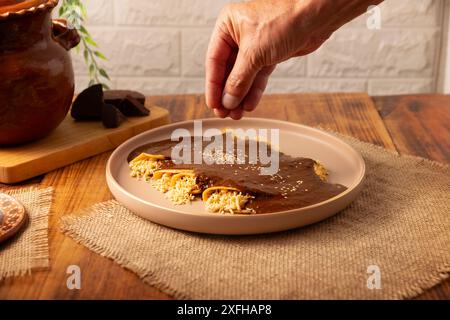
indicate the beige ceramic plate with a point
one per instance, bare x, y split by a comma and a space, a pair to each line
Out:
346, 167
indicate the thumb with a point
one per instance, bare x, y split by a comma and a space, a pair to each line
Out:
239, 81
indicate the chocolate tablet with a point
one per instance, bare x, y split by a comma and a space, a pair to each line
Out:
111, 116
88, 104
115, 97
131, 107
12, 216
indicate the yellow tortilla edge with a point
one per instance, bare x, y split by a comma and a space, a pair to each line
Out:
209, 191
147, 156
321, 171
159, 173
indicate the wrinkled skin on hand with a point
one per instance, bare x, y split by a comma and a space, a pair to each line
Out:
251, 38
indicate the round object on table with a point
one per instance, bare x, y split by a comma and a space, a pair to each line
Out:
345, 164
12, 216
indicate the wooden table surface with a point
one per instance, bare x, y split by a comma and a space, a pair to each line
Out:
417, 125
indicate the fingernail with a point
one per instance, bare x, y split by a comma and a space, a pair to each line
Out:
230, 102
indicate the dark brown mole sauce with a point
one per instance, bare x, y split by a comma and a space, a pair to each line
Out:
295, 185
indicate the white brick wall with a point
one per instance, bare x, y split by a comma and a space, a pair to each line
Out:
158, 47
443, 83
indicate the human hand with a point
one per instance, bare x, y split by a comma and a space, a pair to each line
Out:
251, 38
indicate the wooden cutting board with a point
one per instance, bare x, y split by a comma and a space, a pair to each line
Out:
71, 142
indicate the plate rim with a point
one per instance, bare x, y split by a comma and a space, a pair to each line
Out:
110, 177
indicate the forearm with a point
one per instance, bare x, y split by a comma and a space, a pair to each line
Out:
313, 15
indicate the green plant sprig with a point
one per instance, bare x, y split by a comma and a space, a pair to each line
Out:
75, 13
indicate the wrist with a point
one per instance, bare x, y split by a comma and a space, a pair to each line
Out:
313, 15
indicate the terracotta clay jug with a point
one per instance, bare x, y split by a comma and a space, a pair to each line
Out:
36, 74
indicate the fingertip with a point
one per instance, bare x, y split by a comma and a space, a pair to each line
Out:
249, 108
239, 81
230, 102
221, 113
256, 92
216, 64
236, 114
213, 95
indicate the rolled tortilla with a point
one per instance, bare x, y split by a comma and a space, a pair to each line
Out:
208, 192
144, 165
147, 156
189, 182
159, 173
226, 200
179, 185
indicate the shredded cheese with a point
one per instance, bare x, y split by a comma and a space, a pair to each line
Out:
144, 169
182, 191
180, 186
231, 202
162, 184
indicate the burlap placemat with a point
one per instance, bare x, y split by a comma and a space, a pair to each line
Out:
391, 243
28, 250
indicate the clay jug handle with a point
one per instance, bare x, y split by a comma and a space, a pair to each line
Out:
66, 37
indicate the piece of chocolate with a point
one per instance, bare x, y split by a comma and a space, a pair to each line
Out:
131, 107
115, 97
88, 104
111, 116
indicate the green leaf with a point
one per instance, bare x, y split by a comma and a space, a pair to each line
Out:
74, 11
91, 41
105, 86
92, 70
100, 55
83, 30
103, 73
83, 10
86, 55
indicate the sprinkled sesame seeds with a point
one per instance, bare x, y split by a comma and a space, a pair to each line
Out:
294, 180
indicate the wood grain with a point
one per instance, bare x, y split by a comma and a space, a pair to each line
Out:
82, 184
351, 114
70, 142
420, 125
77, 186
